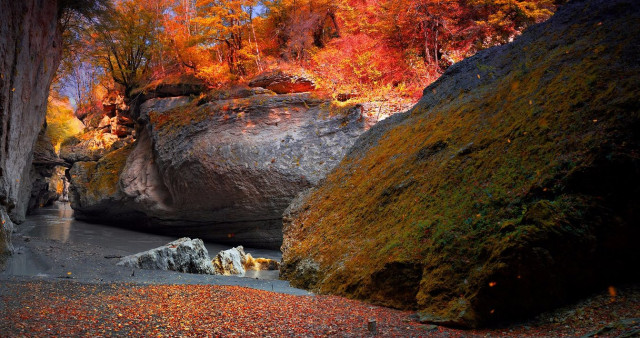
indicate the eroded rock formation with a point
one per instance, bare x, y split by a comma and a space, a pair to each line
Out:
47, 178
511, 187
222, 168
30, 50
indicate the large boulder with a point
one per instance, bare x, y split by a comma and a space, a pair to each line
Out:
182, 255
282, 83
30, 50
222, 170
511, 187
95, 186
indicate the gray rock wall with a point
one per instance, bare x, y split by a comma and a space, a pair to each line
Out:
30, 50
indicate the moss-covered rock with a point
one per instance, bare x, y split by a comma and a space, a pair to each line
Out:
96, 189
511, 187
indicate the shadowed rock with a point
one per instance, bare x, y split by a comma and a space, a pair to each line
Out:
30, 51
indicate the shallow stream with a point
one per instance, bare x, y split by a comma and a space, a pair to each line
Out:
56, 223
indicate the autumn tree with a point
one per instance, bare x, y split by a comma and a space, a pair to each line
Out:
179, 32
224, 29
500, 20
125, 41
299, 26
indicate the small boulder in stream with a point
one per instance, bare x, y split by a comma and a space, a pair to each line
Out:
235, 262
229, 262
183, 255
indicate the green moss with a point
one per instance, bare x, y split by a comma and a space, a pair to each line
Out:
104, 175
495, 184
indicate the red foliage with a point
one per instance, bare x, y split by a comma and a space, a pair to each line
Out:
75, 309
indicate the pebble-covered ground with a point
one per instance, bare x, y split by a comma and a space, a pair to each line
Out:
67, 308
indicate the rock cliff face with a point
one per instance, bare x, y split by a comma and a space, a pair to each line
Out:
511, 187
30, 50
223, 170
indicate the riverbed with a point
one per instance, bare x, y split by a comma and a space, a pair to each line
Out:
51, 241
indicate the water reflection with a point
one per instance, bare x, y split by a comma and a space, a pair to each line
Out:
57, 223
61, 224
24, 263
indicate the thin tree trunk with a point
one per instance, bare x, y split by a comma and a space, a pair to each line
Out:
255, 40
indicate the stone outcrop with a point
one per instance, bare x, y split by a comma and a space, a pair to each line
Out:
230, 262
222, 170
30, 50
183, 255
92, 145
510, 188
160, 105
170, 86
236, 262
282, 83
108, 127
95, 185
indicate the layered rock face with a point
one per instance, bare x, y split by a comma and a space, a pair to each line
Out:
511, 187
222, 170
30, 50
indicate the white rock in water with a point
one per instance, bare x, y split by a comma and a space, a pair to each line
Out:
230, 262
183, 255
